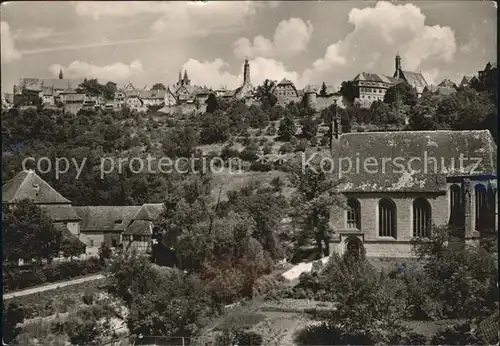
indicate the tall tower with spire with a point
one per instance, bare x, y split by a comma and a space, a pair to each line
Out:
398, 66
246, 72
186, 80
179, 81
60, 74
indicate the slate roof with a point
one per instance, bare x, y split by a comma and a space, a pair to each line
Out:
415, 79
60, 213
9, 97
285, 81
152, 94
375, 77
105, 218
447, 83
442, 145
149, 212
68, 90
24, 185
445, 91
54, 83
75, 97
48, 91
139, 227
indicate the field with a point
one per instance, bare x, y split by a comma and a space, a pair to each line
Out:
56, 301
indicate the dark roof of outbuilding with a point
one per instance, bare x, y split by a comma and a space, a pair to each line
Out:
106, 218
397, 148
28, 185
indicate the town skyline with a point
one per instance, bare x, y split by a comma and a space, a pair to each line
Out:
442, 40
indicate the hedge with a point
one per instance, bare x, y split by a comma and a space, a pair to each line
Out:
16, 278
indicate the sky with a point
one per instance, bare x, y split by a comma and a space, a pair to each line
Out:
307, 42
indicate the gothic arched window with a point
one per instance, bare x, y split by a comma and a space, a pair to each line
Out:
456, 206
482, 208
353, 213
387, 218
421, 218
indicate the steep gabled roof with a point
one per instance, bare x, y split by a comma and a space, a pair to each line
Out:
445, 146
415, 79
139, 227
61, 213
447, 83
28, 185
106, 218
149, 212
375, 77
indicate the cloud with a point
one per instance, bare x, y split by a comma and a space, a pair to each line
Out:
9, 50
387, 29
33, 34
290, 38
206, 72
179, 17
114, 72
431, 76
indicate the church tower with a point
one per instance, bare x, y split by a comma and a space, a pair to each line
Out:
179, 81
186, 80
398, 67
246, 73
60, 74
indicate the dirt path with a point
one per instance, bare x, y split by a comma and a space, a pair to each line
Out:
53, 286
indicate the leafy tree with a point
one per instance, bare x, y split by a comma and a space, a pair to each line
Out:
28, 233
258, 119
264, 93
309, 127
181, 141
104, 252
212, 104
314, 197
109, 90
158, 86
286, 128
401, 92
349, 90
13, 315
215, 128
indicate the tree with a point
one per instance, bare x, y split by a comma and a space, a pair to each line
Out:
264, 93
215, 128
13, 315
180, 141
212, 104
349, 90
286, 128
309, 127
312, 201
109, 90
104, 252
28, 233
323, 89
158, 86
402, 92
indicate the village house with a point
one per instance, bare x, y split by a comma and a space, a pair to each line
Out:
372, 87
129, 227
286, 92
390, 204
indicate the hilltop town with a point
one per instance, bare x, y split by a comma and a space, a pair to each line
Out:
361, 211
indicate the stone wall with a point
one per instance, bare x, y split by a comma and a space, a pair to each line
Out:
382, 246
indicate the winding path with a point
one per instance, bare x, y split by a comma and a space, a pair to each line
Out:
53, 286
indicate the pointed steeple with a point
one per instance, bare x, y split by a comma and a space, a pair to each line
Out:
60, 74
186, 80
180, 78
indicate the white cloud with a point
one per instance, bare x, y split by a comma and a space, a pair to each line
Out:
387, 29
9, 50
214, 73
290, 38
113, 72
177, 17
431, 76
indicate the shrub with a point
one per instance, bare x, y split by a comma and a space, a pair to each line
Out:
301, 145
271, 130
268, 149
286, 148
461, 334
258, 166
88, 296
250, 153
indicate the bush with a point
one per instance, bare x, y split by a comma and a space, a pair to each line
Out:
286, 148
301, 145
258, 166
461, 334
88, 296
271, 130
250, 153
268, 149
